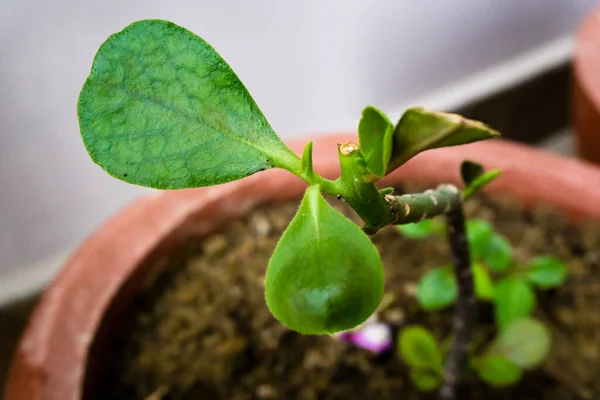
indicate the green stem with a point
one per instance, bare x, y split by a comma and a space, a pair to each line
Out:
416, 207
364, 197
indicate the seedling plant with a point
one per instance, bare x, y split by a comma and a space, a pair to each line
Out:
521, 342
162, 109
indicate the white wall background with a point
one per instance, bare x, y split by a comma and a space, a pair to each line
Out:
311, 65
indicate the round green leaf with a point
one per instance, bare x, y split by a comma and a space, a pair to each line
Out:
325, 275
513, 300
498, 255
524, 342
418, 230
497, 370
419, 349
479, 233
484, 287
546, 272
437, 289
161, 108
425, 380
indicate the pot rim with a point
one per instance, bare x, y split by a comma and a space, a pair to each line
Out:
52, 357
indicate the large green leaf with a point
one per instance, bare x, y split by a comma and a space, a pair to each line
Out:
375, 139
325, 274
161, 108
419, 130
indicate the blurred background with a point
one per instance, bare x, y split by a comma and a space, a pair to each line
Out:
311, 65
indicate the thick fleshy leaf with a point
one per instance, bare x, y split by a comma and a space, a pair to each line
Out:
161, 108
437, 289
513, 300
419, 130
325, 275
546, 272
499, 254
375, 139
419, 348
524, 342
497, 370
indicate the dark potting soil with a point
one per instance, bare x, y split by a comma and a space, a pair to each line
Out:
203, 330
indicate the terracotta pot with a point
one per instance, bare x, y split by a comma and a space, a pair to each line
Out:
586, 88
55, 358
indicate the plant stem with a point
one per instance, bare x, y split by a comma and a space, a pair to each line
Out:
416, 207
462, 323
364, 197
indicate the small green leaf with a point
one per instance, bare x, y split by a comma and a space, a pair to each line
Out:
546, 272
470, 170
437, 289
497, 370
419, 230
524, 342
479, 233
480, 182
419, 130
325, 275
425, 380
307, 161
499, 254
161, 108
375, 140
419, 349
513, 300
484, 287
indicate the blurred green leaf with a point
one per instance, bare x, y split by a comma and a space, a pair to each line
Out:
484, 287
479, 233
497, 370
437, 289
513, 300
419, 348
425, 380
499, 254
375, 140
419, 130
419, 230
524, 342
546, 272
